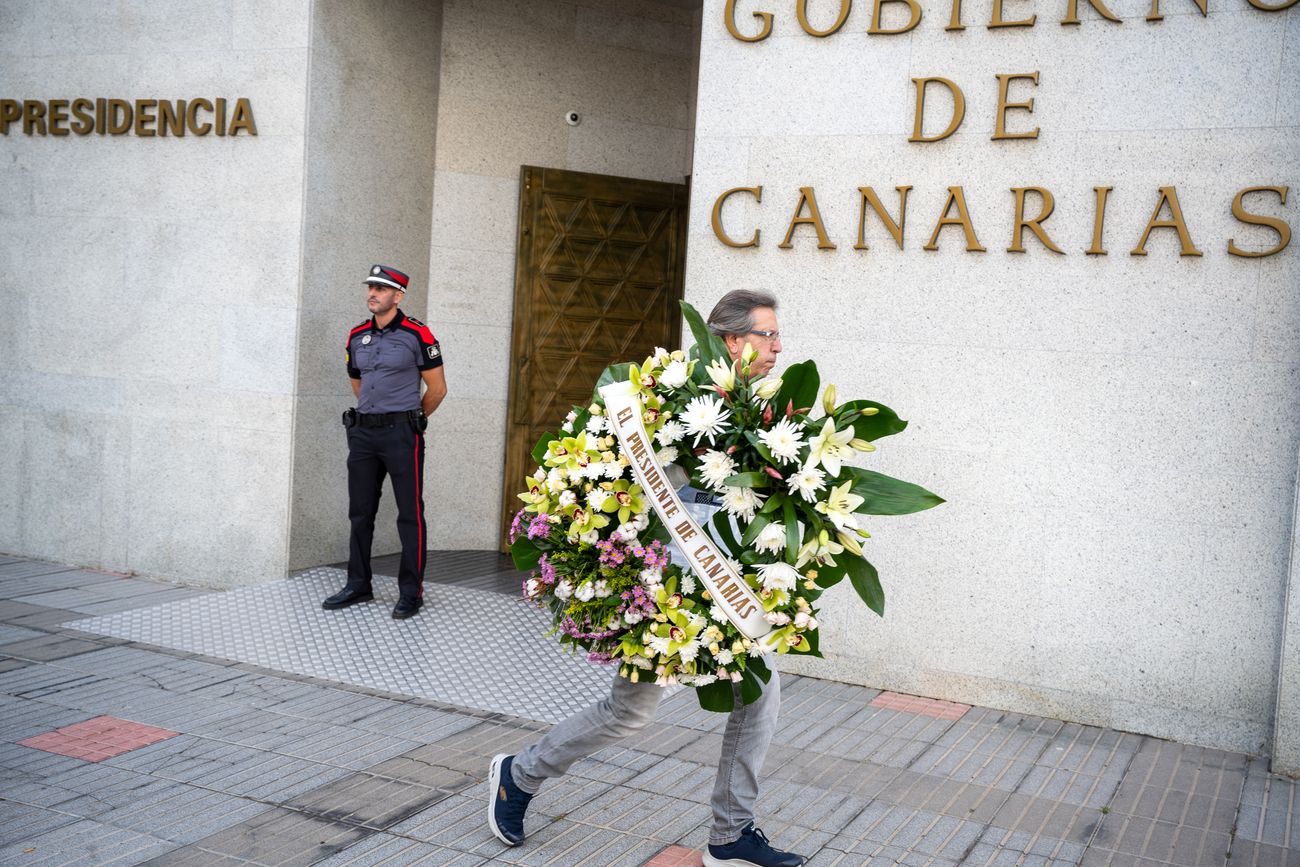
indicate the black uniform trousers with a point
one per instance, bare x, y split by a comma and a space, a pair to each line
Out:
395, 450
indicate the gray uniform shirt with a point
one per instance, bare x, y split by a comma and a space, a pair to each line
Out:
388, 361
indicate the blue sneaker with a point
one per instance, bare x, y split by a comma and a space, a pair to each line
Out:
751, 850
506, 803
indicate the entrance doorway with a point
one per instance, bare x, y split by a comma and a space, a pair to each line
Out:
598, 274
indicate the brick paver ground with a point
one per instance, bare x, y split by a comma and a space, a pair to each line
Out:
268, 767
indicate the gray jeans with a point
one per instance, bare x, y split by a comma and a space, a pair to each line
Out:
631, 707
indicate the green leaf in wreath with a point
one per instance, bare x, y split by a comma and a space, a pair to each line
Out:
748, 480
725, 534
799, 385
539, 450
525, 553
750, 687
763, 451
792, 539
863, 577
613, 373
716, 696
885, 495
759, 667
872, 427
829, 576
707, 344
755, 527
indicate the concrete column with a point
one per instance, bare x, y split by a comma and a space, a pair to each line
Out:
1286, 717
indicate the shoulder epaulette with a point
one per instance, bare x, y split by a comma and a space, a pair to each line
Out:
419, 328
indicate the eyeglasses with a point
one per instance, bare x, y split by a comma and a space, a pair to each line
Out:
770, 335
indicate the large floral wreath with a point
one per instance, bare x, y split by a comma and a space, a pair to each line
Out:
791, 523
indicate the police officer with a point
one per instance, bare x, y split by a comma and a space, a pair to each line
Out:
388, 356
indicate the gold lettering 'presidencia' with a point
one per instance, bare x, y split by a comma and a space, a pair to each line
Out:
809, 198
1099, 218
913, 11
1168, 195
801, 12
1280, 226
143, 118
729, 18
958, 198
1034, 225
1000, 128
958, 109
996, 20
719, 232
868, 195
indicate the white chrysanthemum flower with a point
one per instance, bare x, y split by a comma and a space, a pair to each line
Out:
715, 468
705, 416
556, 480
757, 649
584, 592
690, 650
771, 538
724, 657
660, 645
784, 440
597, 424
596, 499
652, 577
688, 583
716, 612
705, 679
674, 375
807, 482
567, 498
670, 433
612, 470
778, 576
667, 455
741, 502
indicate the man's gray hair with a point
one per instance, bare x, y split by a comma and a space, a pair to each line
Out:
734, 312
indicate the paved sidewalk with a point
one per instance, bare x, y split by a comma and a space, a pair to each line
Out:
147, 723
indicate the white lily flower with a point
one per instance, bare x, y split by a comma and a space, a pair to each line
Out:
839, 506
723, 373
830, 447
767, 387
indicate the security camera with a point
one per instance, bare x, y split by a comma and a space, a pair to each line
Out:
572, 118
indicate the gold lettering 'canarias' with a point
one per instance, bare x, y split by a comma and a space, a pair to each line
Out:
1239, 211
719, 232
143, 118
958, 198
868, 195
1034, 225
809, 198
728, 589
1168, 196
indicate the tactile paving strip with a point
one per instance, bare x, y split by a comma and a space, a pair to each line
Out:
467, 647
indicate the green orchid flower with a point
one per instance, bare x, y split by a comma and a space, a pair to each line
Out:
584, 520
624, 497
537, 497
569, 452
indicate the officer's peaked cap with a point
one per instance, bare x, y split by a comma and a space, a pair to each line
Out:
383, 275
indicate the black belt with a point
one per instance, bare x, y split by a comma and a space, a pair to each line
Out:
380, 419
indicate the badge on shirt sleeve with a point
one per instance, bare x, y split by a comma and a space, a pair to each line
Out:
434, 351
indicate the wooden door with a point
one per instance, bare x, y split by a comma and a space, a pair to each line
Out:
598, 275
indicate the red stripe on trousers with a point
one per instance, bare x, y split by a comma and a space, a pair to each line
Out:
419, 514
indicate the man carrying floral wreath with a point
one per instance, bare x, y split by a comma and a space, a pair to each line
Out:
742, 317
